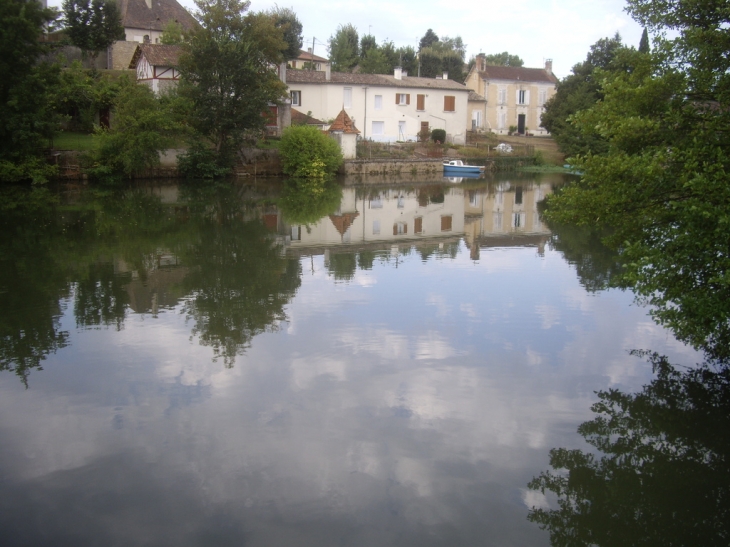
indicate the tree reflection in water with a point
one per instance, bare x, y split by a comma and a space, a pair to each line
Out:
663, 477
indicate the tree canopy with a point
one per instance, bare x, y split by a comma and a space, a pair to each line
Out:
286, 20
92, 25
504, 59
226, 72
580, 91
660, 182
344, 48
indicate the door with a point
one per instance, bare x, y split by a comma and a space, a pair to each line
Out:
520, 123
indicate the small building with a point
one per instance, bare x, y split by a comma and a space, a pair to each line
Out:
298, 118
157, 66
309, 61
344, 131
515, 96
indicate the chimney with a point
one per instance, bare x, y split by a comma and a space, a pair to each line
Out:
404, 73
481, 62
549, 65
327, 71
446, 75
398, 73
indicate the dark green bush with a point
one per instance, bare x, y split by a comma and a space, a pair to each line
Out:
309, 153
200, 162
438, 135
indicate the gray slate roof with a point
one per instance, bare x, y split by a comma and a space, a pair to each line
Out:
346, 78
136, 14
474, 96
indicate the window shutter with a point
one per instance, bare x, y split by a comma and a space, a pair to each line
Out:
397, 98
449, 103
395, 229
527, 97
405, 228
418, 225
408, 98
420, 102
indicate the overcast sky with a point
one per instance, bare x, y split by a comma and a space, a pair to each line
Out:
533, 29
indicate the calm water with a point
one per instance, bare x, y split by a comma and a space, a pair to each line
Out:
190, 366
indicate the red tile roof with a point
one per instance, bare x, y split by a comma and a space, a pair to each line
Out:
299, 118
307, 56
343, 123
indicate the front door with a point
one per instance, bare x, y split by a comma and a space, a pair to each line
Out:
520, 123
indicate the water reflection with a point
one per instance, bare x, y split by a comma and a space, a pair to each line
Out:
662, 475
388, 389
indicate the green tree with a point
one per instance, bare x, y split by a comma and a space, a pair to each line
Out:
26, 90
307, 152
226, 73
172, 34
504, 59
428, 39
367, 42
657, 473
143, 126
92, 25
580, 91
344, 48
662, 185
408, 59
375, 62
286, 20
644, 45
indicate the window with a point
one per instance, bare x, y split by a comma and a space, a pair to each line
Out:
420, 102
378, 128
347, 97
542, 97
476, 119
518, 220
518, 195
402, 98
401, 202
400, 228
502, 96
296, 233
376, 227
418, 225
378, 102
502, 123
446, 223
497, 221
449, 103
376, 203
401, 130
523, 96
296, 98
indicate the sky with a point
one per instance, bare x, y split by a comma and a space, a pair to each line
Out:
533, 29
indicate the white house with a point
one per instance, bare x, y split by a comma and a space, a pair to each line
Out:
385, 108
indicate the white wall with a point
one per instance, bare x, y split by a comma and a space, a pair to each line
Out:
325, 101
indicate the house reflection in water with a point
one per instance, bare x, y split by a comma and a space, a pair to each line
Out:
498, 214
378, 218
504, 214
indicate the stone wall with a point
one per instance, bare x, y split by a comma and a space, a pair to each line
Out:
393, 167
258, 163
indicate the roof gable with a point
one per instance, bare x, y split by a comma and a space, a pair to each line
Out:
156, 55
343, 123
309, 56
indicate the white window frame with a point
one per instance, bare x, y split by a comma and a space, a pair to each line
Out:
296, 98
378, 128
523, 97
402, 99
378, 102
502, 95
376, 227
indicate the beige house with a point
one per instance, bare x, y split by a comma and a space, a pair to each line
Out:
308, 60
385, 108
515, 96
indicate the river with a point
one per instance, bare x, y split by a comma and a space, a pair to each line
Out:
195, 365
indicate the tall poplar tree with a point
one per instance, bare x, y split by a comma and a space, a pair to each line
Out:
92, 26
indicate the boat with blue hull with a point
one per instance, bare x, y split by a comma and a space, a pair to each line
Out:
457, 168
